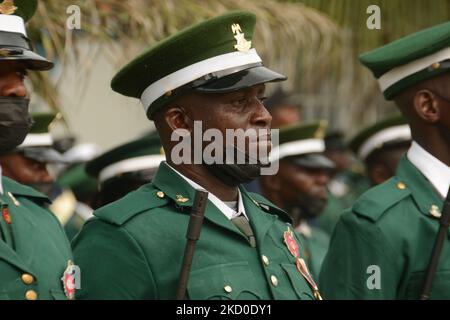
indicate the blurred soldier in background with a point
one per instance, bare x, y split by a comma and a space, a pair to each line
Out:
34, 251
348, 181
381, 146
73, 204
125, 168
300, 186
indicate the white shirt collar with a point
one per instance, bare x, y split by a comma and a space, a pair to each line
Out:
437, 172
226, 210
1, 181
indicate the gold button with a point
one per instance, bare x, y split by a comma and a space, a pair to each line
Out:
228, 289
160, 194
265, 260
27, 278
31, 295
436, 65
401, 185
181, 199
274, 280
435, 212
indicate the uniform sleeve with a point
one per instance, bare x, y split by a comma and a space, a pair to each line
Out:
112, 264
360, 263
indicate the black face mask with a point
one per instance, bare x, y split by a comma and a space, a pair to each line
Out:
15, 122
236, 174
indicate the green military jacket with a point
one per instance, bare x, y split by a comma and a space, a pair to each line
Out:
133, 248
315, 247
381, 247
34, 251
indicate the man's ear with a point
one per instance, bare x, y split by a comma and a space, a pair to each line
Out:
426, 105
176, 118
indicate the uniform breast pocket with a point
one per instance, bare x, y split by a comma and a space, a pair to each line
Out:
439, 291
229, 281
301, 287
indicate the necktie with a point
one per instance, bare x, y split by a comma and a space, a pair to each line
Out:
243, 225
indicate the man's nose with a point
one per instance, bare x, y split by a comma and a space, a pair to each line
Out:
14, 86
262, 117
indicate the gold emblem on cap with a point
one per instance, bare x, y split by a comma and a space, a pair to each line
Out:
242, 44
161, 151
435, 65
5, 52
181, 199
321, 131
7, 7
435, 212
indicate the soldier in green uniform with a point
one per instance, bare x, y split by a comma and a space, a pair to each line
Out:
34, 252
381, 247
381, 146
133, 248
300, 186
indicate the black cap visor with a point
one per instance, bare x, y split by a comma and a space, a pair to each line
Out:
32, 60
239, 80
313, 161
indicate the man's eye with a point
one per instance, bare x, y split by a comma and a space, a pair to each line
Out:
262, 99
240, 102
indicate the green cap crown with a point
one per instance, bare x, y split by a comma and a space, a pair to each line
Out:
410, 60
390, 131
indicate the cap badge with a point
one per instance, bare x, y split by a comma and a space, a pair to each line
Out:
241, 43
321, 130
7, 7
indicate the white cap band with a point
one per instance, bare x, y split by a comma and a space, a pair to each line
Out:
130, 165
11, 23
395, 75
37, 140
295, 148
196, 71
402, 132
